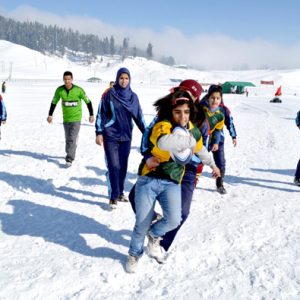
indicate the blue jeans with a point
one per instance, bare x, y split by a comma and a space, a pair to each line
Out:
219, 157
116, 154
147, 190
187, 190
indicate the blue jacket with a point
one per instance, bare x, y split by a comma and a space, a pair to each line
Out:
228, 122
298, 119
114, 121
3, 113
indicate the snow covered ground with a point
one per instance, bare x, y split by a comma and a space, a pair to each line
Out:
59, 240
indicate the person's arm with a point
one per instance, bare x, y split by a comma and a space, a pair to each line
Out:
207, 159
103, 109
298, 119
89, 104
230, 125
151, 161
145, 138
176, 142
54, 102
139, 120
4, 112
98, 125
216, 138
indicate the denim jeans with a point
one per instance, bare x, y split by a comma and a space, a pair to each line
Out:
147, 190
117, 154
219, 157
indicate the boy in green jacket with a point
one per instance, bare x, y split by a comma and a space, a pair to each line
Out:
71, 96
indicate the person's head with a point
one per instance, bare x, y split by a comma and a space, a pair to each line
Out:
177, 107
111, 84
123, 78
214, 96
192, 87
68, 79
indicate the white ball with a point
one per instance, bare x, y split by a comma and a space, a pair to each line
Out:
182, 157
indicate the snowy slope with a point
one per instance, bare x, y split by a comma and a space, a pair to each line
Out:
58, 240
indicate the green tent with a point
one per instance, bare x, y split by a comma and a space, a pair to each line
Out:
94, 79
235, 87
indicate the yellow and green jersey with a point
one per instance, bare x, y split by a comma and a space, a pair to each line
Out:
168, 169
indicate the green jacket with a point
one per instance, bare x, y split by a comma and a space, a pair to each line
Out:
71, 102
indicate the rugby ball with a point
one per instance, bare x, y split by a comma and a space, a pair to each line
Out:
182, 157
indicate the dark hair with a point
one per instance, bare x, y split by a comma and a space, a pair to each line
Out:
214, 89
200, 116
165, 105
68, 73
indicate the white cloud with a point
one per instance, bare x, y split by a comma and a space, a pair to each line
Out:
207, 51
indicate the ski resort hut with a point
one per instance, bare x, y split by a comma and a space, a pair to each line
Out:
235, 87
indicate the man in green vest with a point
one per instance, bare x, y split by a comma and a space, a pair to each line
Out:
71, 96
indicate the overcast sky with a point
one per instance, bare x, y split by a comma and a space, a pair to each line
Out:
210, 34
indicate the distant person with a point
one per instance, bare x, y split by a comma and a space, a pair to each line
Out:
3, 87
71, 96
111, 84
297, 174
3, 113
119, 107
247, 92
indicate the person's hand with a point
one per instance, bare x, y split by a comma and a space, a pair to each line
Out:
3, 122
152, 162
99, 139
91, 119
234, 142
49, 119
216, 172
215, 147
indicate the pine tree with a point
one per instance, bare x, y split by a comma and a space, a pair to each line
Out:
112, 46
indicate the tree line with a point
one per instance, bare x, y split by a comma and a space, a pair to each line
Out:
56, 40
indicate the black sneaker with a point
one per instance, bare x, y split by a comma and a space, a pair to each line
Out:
113, 203
68, 164
221, 190
297, 181
123, 198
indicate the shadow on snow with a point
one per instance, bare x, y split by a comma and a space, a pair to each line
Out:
40, 156
258, 182
61, 227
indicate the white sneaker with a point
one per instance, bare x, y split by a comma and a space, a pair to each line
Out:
113, 203
68, 164
155, 250
131, 264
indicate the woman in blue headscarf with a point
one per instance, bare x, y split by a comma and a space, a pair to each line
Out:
114, 131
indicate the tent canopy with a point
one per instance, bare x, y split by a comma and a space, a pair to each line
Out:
235, 87
94, 79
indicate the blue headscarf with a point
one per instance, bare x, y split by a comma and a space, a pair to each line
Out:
125, 96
